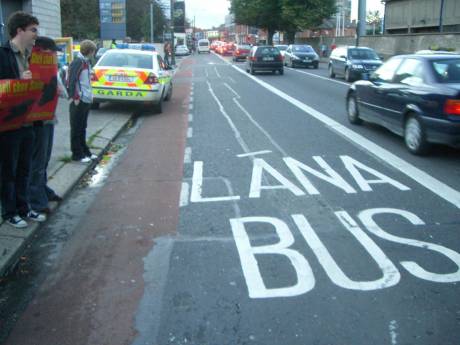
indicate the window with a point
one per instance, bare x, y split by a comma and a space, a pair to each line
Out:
386, 72
447, 70
268, 51
127, 60
303, 49
362, 54
409, 72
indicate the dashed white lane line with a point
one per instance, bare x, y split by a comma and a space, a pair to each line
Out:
392, 328
184, 193
190, 117
190, 106
217, 72
189, 132
231, 90
434, 185
188, 155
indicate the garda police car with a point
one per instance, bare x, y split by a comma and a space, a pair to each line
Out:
134, 75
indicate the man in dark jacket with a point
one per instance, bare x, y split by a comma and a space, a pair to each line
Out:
16, 145
81, 94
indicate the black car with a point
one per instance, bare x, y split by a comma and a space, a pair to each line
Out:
301, 55
264, 58
415, 96
353, 62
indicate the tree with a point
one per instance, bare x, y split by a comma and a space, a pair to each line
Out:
138, 19
282, 15
80, 19
374, 19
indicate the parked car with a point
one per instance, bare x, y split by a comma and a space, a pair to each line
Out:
281, 47
353, 62
241, 52
416, 96
182, 50
264, 58
132, 76
301, 55
203, 46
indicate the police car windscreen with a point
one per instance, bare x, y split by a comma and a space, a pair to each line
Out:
133, 60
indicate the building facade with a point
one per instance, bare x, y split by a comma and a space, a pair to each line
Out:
48, 13
421, 16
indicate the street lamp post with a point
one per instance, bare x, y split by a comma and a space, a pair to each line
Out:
440, 17
1, 23
173, 50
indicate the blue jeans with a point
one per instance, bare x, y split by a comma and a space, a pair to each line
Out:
16, 155
39, 191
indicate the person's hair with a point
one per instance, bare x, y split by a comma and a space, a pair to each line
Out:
20, 20
46, 43
87, 47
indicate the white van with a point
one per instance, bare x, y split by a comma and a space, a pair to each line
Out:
203, 46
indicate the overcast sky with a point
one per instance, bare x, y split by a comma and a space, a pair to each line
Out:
209, 13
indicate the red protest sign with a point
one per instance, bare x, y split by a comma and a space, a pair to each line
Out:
43, 65
16, 100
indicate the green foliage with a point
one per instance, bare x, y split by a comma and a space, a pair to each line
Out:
80, 19
282, 15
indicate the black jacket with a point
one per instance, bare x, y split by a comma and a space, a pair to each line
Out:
9, 68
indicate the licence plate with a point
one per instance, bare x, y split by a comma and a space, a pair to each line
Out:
120, 78
268, 59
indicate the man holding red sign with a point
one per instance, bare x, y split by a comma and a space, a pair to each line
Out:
17, 136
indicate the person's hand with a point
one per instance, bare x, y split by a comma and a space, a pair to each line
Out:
27, 75
76, 101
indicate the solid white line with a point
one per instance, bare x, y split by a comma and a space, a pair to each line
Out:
274, 143
237, 134
434, 185
254, 153
184, 193
217, 72
189, 132
230, 88
188, 155
318, 76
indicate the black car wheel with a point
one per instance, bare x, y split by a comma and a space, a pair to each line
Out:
169, 94
315, 65
414, 136
281, 71
251, 70
348, 75
331, 71
353, 110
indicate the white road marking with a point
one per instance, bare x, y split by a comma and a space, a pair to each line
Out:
184, 193
253, 153
217, 72
434, 185
238, 136
255, 123
206, 72
230, 88
189, 132
188, 155
232, 80
393, 327
197, 187
318, 76
190, 106
191, 99
190, 117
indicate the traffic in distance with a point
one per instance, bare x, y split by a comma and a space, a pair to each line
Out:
415, 96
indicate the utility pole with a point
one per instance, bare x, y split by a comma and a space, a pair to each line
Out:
440, 17
173, 48
361, 25
1, 23
151, 21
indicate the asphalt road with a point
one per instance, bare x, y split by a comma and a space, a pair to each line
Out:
287, 226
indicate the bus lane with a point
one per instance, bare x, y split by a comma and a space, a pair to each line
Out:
308, 239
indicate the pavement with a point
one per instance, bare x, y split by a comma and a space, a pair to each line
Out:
103, 127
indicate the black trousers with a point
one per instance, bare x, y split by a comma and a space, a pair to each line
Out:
78, 123
16, 149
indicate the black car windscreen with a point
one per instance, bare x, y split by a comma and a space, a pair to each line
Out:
362, 54
267, 51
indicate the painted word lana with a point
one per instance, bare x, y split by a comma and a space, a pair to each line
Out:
305, 279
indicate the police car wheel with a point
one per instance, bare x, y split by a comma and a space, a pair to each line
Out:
169, 95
